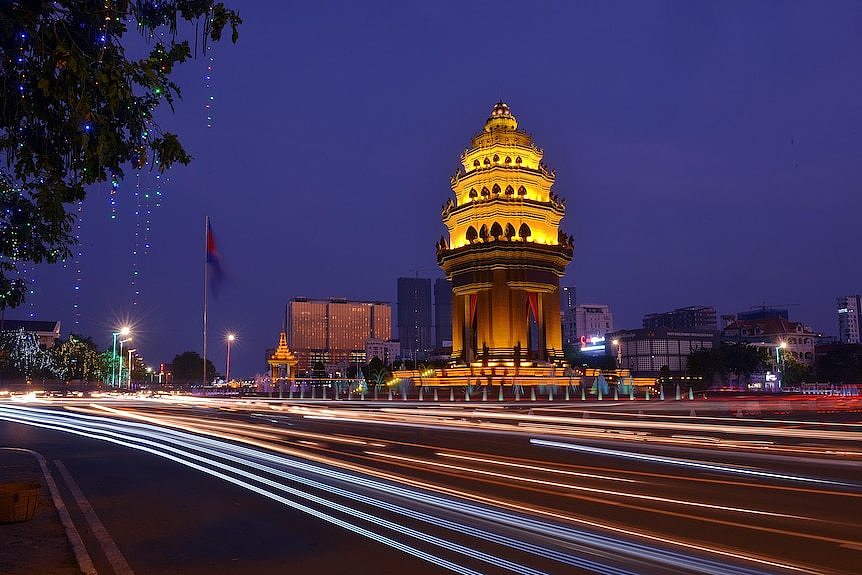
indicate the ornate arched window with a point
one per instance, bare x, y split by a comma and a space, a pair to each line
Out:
487, 162
510, 231
483, 233
471, 234
485, 192
476, 163
524, 232
510, 191
496, 230
518, 160
496, 158
522, 191
496, 189
508, 160
473, 193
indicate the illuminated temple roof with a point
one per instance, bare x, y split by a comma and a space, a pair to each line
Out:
282, 355
501, 118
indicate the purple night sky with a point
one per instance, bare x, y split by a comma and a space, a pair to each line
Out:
709, 153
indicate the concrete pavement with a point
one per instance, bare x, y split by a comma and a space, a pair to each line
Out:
40, 545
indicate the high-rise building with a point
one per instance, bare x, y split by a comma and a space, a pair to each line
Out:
568, 302
849, 318
693, 318
592, 320
568, 298
334, 331
442, 313
415, 330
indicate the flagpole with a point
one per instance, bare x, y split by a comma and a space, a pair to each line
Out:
206, 265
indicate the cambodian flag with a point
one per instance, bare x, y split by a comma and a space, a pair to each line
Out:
216, 273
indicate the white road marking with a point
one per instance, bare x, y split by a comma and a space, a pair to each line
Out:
109, 546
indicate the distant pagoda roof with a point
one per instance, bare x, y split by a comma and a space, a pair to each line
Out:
282, 355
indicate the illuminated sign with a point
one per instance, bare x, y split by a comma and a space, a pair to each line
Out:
594, 343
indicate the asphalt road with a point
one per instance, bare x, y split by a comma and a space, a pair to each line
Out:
188, 486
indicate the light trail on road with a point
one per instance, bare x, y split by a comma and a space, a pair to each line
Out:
348, 481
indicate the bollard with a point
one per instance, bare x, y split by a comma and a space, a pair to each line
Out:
362, 397
324, 392
313, 390
532, 393
661, 393
500, 396
301, 393
350, 395
390, 394
583, 393
420, 393
517, 393
403, 392
451, 394
676, 395
290, 393
567, 393
375, 392
690, 394
484, 393
467, 394
647, 394
632, 393
600, 393
616, 394
435, 394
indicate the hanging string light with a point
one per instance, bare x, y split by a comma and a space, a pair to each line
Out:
79, 252
209, 103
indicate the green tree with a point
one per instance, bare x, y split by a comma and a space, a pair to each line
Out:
75, 110
842, 363
78, 358
187, 367
793, 372
24, 354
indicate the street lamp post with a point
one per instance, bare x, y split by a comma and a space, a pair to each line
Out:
130, 368
779, 363
120, 363
124, 331
230, 338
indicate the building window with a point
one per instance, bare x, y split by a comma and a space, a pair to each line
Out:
475, 163
510, 231
496, 189
473, 194
518, 160
485, 192
524, 232
496, 158
510, 191
508, 160
483, 233
496, 230
522, 191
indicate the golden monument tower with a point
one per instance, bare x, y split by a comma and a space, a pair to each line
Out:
505, 253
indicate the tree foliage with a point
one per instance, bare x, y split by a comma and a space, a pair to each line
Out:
187, 367
24, 355
79, 358
736, 359
841, 364
75, 110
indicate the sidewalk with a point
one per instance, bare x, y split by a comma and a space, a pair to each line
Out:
39, 545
